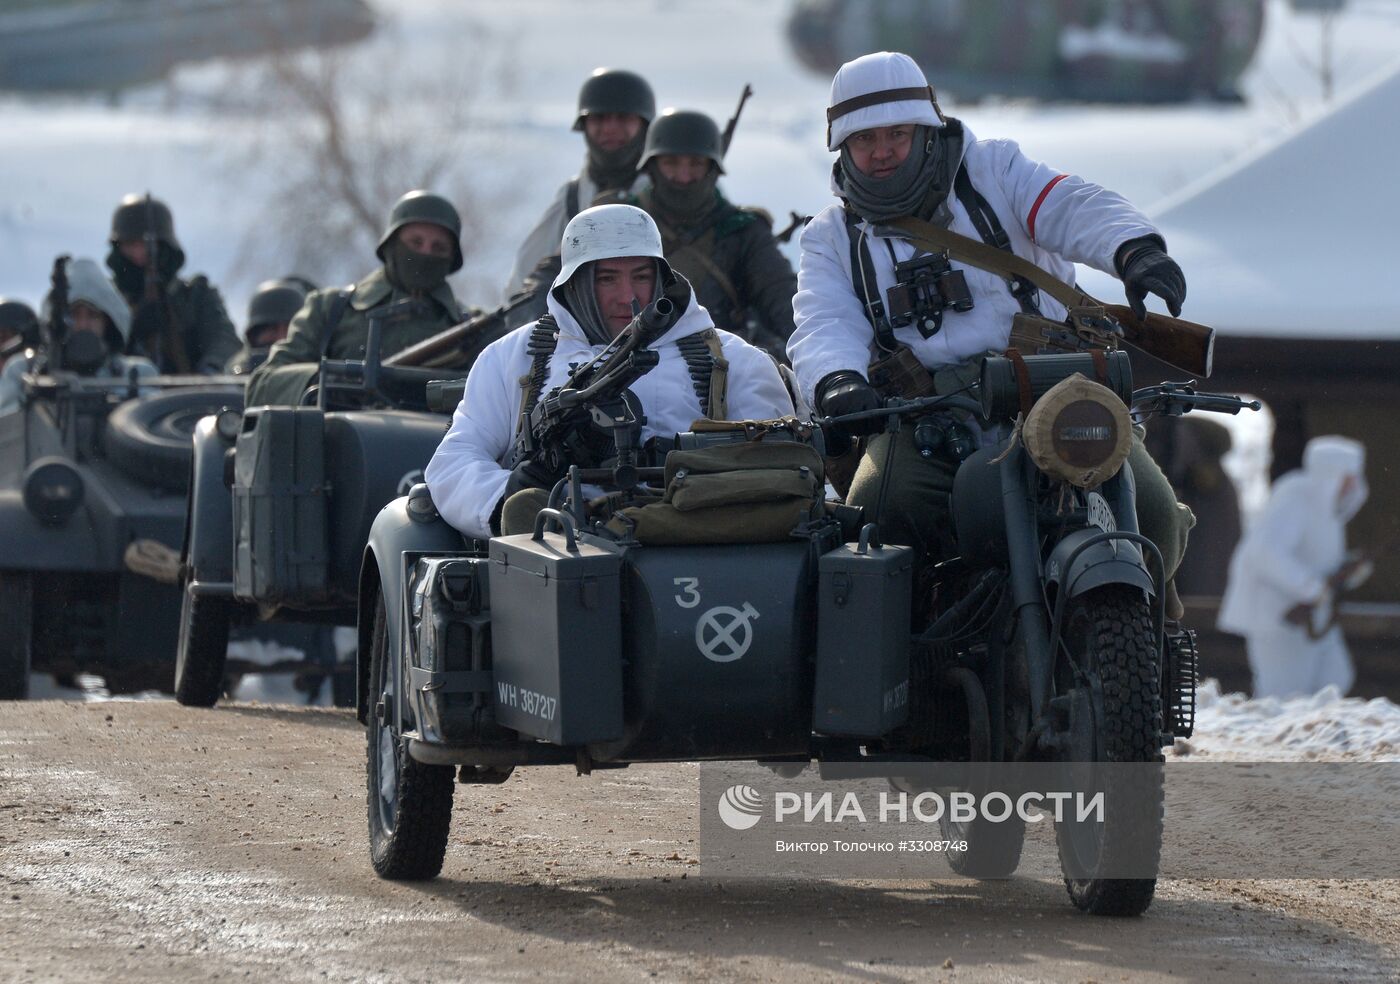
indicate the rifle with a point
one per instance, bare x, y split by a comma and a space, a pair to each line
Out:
798, 221
169, 344
728, 134
56, 328
460, 344
598, 387
1183, 344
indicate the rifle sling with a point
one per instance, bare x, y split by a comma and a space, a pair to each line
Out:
1003, 263
334, 316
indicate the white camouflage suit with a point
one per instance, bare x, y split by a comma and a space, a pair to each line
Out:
1284, 559
467, 476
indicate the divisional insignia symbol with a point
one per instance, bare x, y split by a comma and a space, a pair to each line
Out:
723, 634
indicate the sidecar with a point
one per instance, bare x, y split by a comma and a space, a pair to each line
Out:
573, 647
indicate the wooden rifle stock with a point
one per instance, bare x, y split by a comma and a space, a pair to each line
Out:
453, 347
1183, 344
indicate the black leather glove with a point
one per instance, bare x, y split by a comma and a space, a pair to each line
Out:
531, 474
846, 392
1147, 269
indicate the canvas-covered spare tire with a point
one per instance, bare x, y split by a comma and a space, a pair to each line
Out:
150, 438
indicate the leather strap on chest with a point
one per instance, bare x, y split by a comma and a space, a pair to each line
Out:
866, 286
335, 314
993, 233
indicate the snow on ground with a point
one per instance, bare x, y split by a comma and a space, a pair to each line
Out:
1324, 726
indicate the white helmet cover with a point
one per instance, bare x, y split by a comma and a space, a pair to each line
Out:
604, 232
883, 88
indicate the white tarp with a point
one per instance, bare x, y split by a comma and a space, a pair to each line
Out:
1300, 239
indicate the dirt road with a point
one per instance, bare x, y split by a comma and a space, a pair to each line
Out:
149, 842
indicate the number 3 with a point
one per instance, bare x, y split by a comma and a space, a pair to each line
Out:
691, 591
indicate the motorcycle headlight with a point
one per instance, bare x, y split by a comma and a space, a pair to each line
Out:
1079, 431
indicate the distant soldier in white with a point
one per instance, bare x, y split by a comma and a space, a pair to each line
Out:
615, 107
1289, 568
612, 256
98, 323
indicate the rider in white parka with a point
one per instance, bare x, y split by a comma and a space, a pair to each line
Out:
467, 474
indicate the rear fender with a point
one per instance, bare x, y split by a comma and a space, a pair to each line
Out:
209, 544
395, 541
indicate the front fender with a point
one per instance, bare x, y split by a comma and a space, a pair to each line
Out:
1105, 562
393, 539
209, 546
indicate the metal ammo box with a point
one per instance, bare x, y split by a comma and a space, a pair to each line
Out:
556, 637
279, 505
862, 685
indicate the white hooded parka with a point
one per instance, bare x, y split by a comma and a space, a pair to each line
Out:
467, 476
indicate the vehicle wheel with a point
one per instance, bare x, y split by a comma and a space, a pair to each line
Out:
410, 804
202, 649
993, 848
16, 634
150, 438
1110, 632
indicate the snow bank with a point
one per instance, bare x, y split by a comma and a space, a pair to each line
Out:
1323, 726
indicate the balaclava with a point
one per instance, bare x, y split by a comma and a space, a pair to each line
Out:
920, 185
413, 271
613, 169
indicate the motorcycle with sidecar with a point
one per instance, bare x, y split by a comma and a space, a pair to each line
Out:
1043, 638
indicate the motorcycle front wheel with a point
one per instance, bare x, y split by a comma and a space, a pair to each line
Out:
1112, 691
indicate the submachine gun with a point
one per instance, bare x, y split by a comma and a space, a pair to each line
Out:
597, 394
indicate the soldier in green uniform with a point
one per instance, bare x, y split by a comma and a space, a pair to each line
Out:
270, 313
727, 252
419, 248
180, 325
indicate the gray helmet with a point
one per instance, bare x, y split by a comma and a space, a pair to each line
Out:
274, 302
424, 206
684, 131
139, 214
19, 318
615, 90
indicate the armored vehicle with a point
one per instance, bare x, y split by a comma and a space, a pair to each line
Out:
1121, 51
281, 500
90, 468
719, 609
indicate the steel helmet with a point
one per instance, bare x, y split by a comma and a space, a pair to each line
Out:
424, 206
615, 90
604, 232
274, 302
138, 214
19, 318
684, 131
880, 89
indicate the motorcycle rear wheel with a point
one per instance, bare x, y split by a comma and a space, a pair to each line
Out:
1109, 631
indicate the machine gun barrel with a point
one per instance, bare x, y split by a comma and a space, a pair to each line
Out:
602, 378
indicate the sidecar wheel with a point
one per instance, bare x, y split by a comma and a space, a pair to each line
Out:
410, 804
1109, 631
